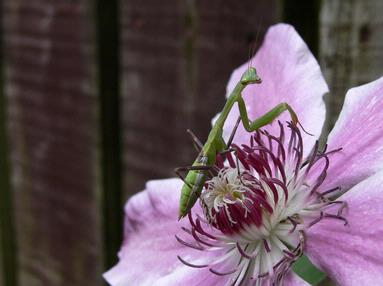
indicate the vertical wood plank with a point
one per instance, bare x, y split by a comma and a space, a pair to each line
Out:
107, 24
8, 247
8, 251
50, 85
304, 16
177, 57
351, 46
1, 266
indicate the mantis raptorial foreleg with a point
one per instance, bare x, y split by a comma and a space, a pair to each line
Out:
265, 119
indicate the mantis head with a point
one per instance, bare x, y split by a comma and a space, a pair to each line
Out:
250, 76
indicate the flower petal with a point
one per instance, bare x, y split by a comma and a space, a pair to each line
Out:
149, 252
352, 255
359, 131
289, 74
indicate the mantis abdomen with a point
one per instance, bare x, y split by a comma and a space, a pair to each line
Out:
193, 183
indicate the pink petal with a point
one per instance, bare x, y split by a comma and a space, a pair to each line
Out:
359, 131
289, 74
352, 255
149, 252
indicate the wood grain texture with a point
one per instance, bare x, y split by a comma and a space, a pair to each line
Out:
351, 46
53, 131
107, 31
1, 265
177, 57
8, 250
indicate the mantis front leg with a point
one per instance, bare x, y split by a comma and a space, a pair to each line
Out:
265, 119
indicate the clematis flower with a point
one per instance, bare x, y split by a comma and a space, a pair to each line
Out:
273, 199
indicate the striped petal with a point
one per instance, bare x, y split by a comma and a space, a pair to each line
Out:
359, 131
352, 255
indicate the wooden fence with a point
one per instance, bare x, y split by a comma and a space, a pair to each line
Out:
95, 97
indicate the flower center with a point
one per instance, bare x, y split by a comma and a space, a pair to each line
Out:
259, 205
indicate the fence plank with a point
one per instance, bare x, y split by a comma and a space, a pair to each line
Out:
53, 128
304, 16
8, 250
351, 46
176, 59
107, 24
2, 283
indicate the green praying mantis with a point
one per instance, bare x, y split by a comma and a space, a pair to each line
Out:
215, 144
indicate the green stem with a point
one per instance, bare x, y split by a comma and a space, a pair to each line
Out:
307, 271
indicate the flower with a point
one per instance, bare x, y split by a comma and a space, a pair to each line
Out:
249, 193
256, 212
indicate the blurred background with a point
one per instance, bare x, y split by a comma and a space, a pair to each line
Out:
95, 97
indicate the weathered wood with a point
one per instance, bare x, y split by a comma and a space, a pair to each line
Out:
53, 127
107, 25
304, 16
8, 248
8, 251
177, 57
1, 267
351, 46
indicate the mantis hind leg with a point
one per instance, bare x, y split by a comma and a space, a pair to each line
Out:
233, 133
196, 142
191, 168
265, 119
235, 150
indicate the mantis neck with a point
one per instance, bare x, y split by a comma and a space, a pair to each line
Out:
218, 126
215, 142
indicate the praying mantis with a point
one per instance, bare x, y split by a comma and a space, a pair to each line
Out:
215, 144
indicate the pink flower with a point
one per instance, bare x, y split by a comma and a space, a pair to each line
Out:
350, 254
